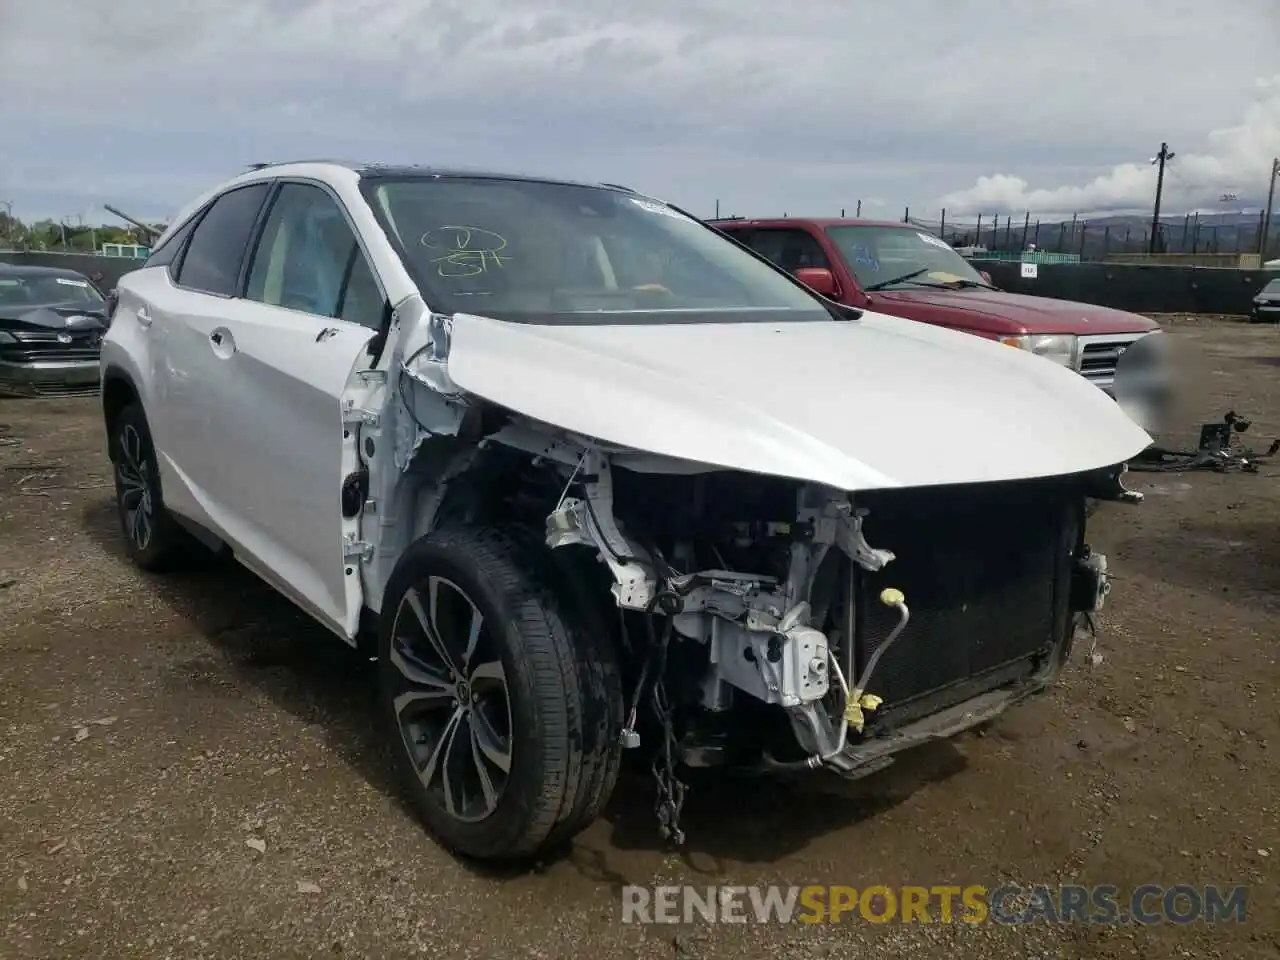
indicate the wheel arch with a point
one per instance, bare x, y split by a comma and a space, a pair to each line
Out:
455, 482
118, 391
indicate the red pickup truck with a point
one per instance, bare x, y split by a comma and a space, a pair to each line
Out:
898, 269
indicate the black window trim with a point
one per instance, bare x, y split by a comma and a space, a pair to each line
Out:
174, 266
180, 260
255, 240
805, 231
177, 240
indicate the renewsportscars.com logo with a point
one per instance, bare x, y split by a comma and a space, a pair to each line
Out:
1008, 904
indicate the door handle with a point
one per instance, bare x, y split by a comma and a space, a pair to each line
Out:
144, 317
224, 345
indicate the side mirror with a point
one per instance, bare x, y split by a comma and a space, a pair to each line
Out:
985, 276
113, 300
819, 280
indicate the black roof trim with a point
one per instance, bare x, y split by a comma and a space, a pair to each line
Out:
264, 165
425, 171
412, 171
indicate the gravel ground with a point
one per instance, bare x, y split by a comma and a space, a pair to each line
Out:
189, 767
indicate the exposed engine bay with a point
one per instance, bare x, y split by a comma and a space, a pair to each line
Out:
793, 603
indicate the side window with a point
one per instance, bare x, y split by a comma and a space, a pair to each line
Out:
308, 260
743, 236
362, 301
213, 257
789, 248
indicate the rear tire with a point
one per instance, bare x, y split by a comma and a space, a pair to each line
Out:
501, 694
153, 539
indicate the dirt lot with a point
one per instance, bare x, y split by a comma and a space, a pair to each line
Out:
152, 727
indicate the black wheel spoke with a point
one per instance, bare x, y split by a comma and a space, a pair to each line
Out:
428, 768
489, 744
474, 625
424, 681
131, 449
426, 616
133, 478
451, 782
478, 758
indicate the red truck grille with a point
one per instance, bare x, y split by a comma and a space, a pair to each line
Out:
1099, 356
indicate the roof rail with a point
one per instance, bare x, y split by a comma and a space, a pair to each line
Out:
618, 186
281, 163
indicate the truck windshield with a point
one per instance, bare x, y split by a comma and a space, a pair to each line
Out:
876, 254
538, 252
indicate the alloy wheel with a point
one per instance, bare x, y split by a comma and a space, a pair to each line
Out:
451, 699
133, 479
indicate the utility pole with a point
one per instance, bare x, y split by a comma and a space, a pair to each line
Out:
1160, 158
1266, 219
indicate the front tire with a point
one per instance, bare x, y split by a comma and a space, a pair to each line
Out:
153, 539
504, 707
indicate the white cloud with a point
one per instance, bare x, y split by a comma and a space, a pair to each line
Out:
1234, 160
765, 107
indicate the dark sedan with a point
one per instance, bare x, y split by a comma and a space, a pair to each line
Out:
51, 327
1266, 305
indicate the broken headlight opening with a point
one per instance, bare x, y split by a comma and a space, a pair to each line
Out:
775, 625
1143, 383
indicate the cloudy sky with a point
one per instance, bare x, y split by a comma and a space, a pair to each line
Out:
768, 107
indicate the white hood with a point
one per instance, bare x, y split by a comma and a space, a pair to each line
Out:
870, 403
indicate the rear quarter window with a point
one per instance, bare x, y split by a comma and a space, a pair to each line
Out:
165, 254
219, 241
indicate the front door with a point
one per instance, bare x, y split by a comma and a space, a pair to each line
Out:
289, 352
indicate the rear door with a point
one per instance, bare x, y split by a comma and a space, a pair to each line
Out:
186, 413
287, 358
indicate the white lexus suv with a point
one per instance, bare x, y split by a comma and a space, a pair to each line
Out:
590, 479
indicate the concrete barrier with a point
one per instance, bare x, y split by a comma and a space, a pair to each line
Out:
1138, 288
1141, 288
104, 271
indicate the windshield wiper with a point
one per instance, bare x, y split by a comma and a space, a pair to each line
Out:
960, 284
888, 283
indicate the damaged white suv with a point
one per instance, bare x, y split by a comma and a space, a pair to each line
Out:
599, 479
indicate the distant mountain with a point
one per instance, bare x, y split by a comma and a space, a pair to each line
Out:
1094, 237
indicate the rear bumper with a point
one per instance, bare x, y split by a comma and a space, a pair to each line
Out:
49, 377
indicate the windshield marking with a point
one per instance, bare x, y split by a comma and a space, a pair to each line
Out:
463, 259
862, 256
654, 206
935, 241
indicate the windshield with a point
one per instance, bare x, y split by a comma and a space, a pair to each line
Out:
44, 289
876, 254
541, 252
1272, 288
